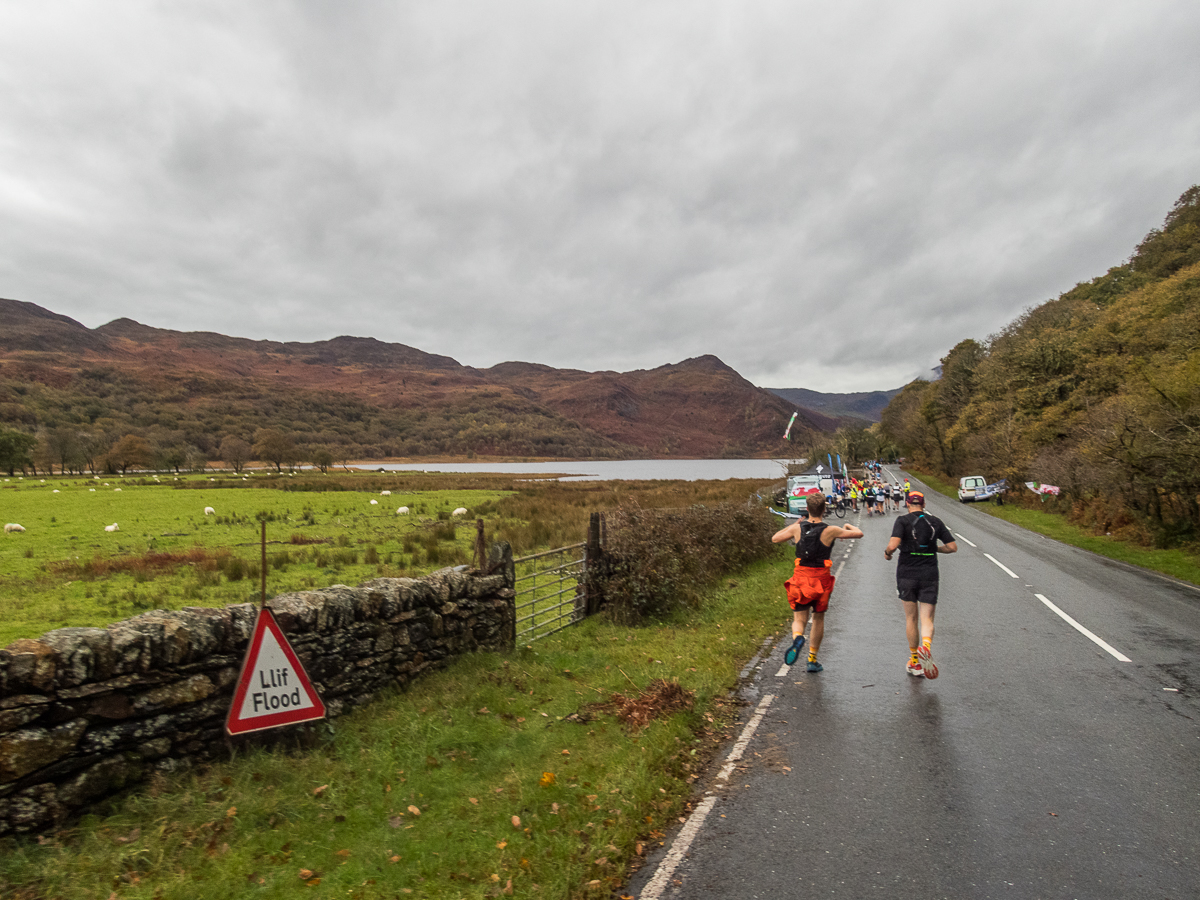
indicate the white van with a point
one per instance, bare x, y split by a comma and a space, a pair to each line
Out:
972, 488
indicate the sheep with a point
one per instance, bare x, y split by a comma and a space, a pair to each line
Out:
116, 490
461, 511
374, 502
113, 527
209, 511
13, 527
402, 511
385, 493
55, 491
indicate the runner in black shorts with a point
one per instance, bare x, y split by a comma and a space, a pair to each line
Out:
916, 535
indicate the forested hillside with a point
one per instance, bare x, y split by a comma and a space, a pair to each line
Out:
1097, 392
126, 395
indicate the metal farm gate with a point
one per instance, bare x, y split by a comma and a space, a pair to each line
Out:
551, 591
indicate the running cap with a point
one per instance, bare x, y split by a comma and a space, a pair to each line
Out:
916, 498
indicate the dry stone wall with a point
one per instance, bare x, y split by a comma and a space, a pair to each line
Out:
86, 712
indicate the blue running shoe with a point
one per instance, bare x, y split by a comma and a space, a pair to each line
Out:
814, 666
793, 652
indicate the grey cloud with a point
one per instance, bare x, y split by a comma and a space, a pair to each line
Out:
823, 197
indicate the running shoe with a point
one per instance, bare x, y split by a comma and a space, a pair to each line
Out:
928, 667
814, 666
793, 652
914, 668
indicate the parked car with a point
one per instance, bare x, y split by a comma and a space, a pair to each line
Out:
972, 488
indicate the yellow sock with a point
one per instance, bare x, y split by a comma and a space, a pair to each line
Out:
927, 642
812, 655
913, 654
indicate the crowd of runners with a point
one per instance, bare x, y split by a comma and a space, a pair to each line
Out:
874, 493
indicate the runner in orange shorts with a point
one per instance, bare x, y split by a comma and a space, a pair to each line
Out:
811, 584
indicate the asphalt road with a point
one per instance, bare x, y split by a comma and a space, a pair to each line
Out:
1041, 764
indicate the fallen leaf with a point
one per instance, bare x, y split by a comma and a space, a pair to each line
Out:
396, 821
500, 845
547, 779
314, 882
516, 821
547, 715
507, 887
595, 882
483, 710
602, 861
566, 753
520, 718
387, 788
317, 792
306, 874
554, 809
231, 812
343, 853
1054, 814
473, 800
394, 859
493, 877
414, 810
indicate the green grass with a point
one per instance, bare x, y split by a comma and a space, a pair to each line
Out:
469, 748
1176, 563
66, 570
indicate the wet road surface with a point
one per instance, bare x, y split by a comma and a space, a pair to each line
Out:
1057, 755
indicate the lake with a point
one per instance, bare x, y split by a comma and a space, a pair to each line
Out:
609, 470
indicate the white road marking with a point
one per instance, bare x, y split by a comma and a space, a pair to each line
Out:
687, 834
1001, 565
961, 538
1117, 653
783, 670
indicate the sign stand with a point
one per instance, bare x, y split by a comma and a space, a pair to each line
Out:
272, 688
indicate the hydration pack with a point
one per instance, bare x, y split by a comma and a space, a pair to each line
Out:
922, 536
809, 549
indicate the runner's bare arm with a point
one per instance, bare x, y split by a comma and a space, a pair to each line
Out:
791, 533
841, 533
949, 547
891, 548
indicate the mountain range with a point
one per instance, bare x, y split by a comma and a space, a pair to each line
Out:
371, 399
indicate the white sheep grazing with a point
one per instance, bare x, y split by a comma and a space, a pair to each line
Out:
116, 490
461, 511
385, 493
113, 527
402, 511
55, 491
374, 502
13, 527
209, 511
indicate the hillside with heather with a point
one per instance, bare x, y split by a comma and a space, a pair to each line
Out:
79, 391
1096, 392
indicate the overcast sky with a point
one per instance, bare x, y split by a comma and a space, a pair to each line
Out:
824, 195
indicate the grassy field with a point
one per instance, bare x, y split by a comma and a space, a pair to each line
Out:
496, 777
1176, 563
65, 569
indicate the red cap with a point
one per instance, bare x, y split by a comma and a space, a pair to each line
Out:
916, 498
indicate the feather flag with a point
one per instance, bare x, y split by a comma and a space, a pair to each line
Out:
787, 434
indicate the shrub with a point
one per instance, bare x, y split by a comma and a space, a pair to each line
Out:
661, 561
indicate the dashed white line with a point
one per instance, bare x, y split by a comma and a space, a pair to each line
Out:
961, 538
687, 834
1121, 657
1001, 565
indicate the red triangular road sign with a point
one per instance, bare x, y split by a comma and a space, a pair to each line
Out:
273, 689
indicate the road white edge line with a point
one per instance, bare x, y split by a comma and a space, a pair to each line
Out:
1121, 657
783, 670
683, 840
961, 538
1002, 565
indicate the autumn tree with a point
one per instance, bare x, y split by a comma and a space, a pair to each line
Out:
129, 452
275, 447
322, 458
235, 452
